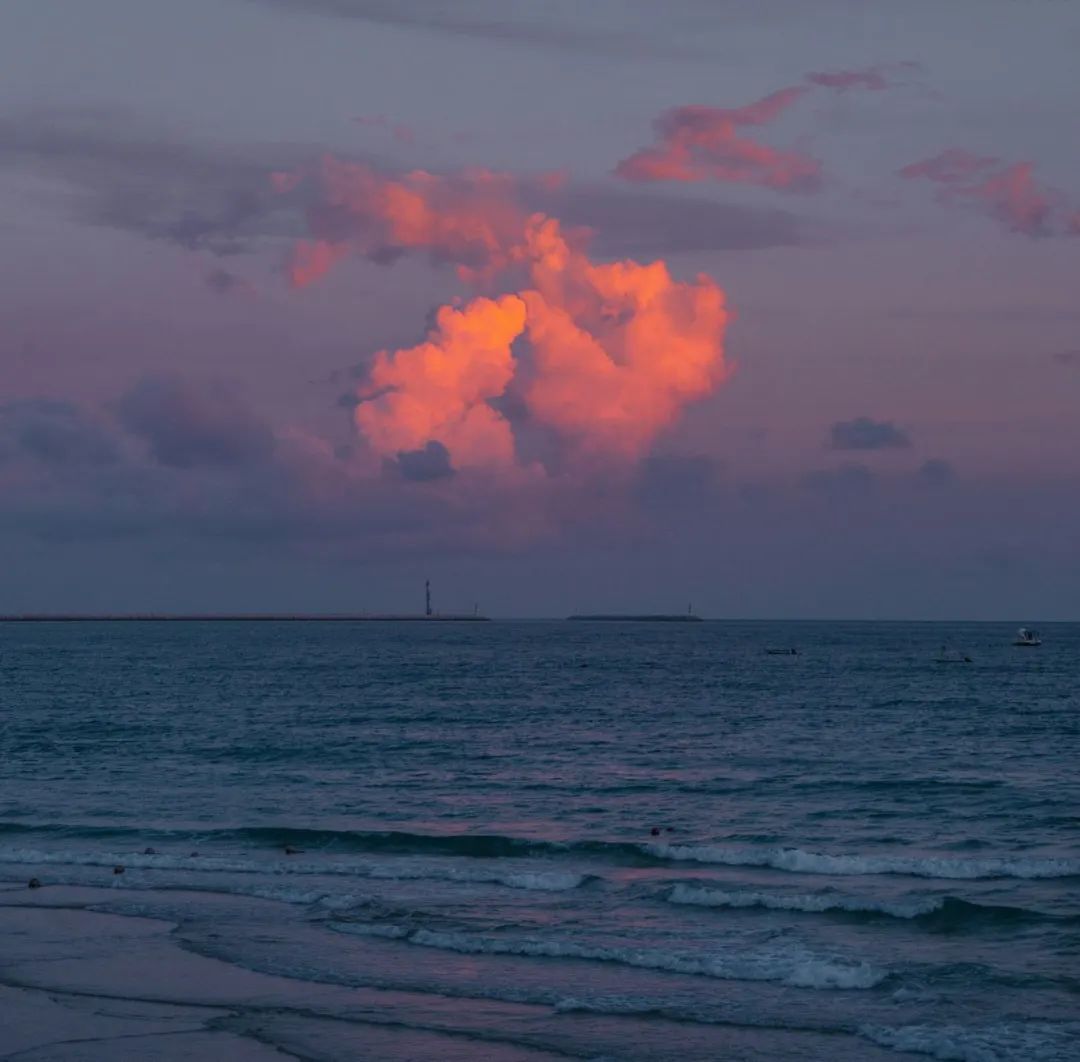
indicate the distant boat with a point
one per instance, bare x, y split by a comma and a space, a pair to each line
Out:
1027, 638
951, 656
782, 652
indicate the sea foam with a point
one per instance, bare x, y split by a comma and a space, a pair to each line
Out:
1003, 1042
798, 861
696, 896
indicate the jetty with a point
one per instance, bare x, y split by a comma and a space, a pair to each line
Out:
429, 615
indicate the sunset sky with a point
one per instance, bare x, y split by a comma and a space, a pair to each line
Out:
772, 307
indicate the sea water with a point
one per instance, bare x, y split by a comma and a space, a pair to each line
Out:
592, 840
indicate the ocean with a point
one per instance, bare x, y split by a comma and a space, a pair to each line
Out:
530, 840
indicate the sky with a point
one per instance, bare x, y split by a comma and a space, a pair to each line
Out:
769, 308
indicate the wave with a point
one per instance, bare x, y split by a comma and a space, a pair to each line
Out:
539, 880
790, 965
387, 842
935, 912
499, 846
798, 861
817, 903
1030, 1041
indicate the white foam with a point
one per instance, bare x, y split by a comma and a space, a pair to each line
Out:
791, 964
1004, 1042
541, 880
815, 902
800, 862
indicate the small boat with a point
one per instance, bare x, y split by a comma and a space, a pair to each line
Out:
1027, 638
782, 652
951, 656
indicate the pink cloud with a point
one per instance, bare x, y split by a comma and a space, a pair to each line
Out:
697, 143
1009, 193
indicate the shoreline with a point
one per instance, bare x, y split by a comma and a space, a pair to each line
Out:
80, 983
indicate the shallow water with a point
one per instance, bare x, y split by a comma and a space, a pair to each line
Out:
859, 852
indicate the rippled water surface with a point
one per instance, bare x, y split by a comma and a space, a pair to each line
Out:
658, 834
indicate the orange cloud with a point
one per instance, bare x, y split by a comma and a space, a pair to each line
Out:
439, 390
604, 355
471, 220
617, 349
311, 259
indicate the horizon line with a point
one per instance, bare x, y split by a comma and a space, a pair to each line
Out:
462, 617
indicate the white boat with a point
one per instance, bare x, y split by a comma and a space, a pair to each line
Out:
1027, 638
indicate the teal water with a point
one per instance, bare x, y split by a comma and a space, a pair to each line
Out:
656, 823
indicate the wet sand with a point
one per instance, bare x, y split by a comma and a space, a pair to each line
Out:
82, 984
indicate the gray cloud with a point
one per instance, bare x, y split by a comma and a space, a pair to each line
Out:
845, 481
936, 472
55, 433
188, 425
219, 198
208, 479
225, 282
676, 481
1068, 357
125, 176
490, 20
634, 222
424, 465
862, 433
